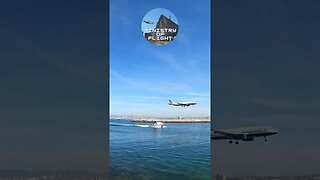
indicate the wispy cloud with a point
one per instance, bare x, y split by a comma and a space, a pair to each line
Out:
169, 59
147, 97
160, 87
128, 81
183, 62
198, 94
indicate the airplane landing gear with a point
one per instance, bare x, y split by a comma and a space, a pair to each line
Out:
265, 139
230, 141
237, 142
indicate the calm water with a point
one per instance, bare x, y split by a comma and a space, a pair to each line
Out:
179, 151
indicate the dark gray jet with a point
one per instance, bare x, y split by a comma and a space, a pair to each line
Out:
243, 134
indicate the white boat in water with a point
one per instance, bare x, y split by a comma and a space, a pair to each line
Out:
157, 124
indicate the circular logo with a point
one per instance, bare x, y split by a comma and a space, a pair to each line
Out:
159, 26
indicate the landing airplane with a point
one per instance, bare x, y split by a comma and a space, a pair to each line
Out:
244, 134
183, 104
148, 22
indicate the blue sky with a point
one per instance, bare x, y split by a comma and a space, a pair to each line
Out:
143, 76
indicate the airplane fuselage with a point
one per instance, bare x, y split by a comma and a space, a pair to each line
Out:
244, 134
183, 104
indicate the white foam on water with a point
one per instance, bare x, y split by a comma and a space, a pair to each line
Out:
142, 125
133, 125
120, 124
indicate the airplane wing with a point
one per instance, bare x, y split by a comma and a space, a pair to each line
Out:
234, 134
224, 132
184, 103
242, 131
244, 134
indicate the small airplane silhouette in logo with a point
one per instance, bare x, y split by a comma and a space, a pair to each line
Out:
148, 22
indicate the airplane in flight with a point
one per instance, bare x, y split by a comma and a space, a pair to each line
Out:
183, 104
148, 22
243, 134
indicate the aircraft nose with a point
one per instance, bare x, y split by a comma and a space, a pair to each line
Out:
275, 131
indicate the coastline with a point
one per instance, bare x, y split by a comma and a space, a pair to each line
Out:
172, 120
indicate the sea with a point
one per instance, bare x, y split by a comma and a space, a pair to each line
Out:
178, 151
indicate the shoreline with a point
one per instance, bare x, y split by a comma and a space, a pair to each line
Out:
172, 120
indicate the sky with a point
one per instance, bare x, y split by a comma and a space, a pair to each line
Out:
143, 76
53, 95
266, 72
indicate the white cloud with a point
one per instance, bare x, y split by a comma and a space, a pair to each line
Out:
159, 87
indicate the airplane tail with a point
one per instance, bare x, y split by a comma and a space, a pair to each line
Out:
170, 101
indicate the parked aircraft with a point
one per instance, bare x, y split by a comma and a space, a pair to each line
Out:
244, 134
